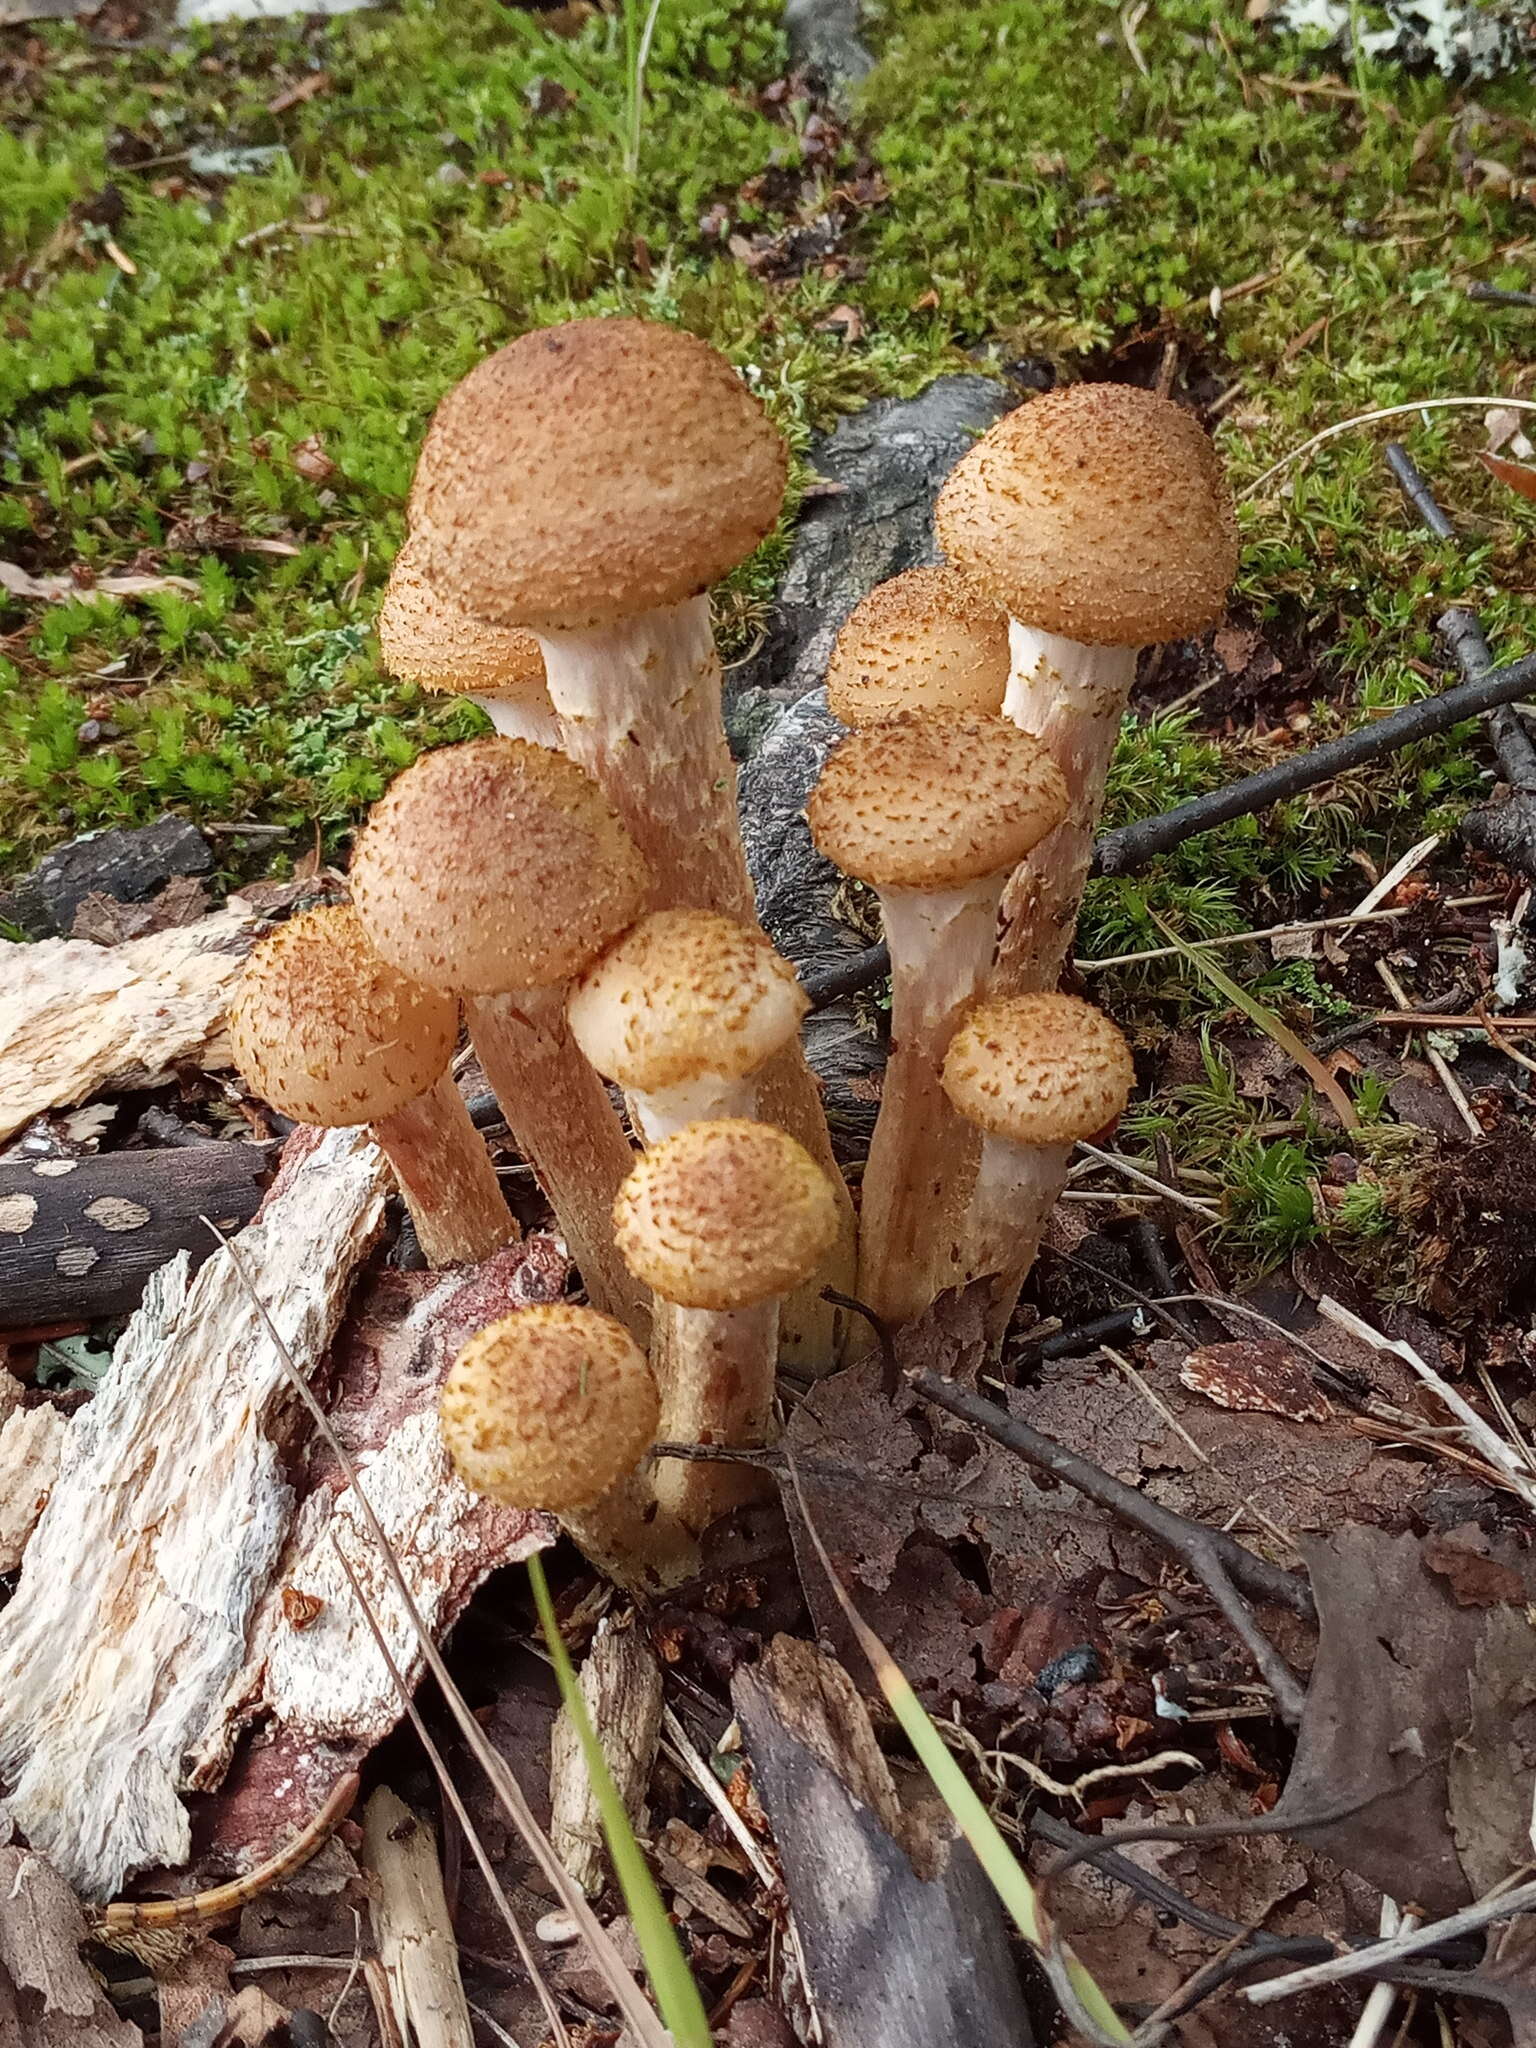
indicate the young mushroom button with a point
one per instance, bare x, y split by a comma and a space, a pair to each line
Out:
1099, 516
496, 869
331, 1034
555, 1408
934, 816
722, 1220
930, 643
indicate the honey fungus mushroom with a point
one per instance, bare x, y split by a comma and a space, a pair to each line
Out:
328, 1032
554, 1408
428, 639
929, 643
934, 816
1100, 517
497, 870
722, 1220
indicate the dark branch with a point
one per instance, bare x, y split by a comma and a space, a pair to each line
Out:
1410, 481
1496, 295
858, 971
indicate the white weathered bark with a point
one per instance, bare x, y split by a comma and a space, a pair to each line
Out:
621, 1685
412, 1927
32, 1444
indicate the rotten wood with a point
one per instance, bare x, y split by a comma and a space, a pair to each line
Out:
31, 1446
904, 1939
127, 1632
79, 1238
412, 1927
49, 1997
77, 1019
621, 1685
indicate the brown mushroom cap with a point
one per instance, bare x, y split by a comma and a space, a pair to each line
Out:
929, 644
328, 1032
593, 471
1042, 1069
426, 638
919, 804
725, 1214
549, 1408
686, 993
1100, 512
493, 866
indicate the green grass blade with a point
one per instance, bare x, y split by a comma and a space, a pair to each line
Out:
677, 1995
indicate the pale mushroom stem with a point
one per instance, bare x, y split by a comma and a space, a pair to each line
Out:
1016, 1188
661, 1113
719, 1390
446, 1177
632, 1539
516, 719
639, 709
1072, 698
941, 949
568, 1131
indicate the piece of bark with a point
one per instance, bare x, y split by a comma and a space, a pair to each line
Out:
79, 1238
76, 1019
32, 1444
621, 1685
129, 1623
412, 1927
199, 2006
48, 1997
904, 1959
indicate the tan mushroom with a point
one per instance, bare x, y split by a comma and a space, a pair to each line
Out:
928, 644
496, 869
554, 1408
590, 482
934, 816
328, 1032
428, 639
1100, 517
722, 1220
1036, 1074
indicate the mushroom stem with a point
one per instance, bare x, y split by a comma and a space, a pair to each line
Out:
568, 1131
719, 1390
941, 947
660, 1113
1016, 1189
1072, 698
632, 1539
446, 1177
519, 718
639, 709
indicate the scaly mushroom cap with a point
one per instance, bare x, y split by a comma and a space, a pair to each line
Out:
930, 644
327, 1032
549, 1408
426, 638
493, 866
1042, 1070
919, 804
725, 1214
1100, 513
590, 472
686, 993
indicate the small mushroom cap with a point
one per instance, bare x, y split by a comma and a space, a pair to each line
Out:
590, 472
426, 638
929, 644
725, 1214
549, 1408
686, 993
920, 804
1042, 1070
493, 866
328, 1032
1099, 512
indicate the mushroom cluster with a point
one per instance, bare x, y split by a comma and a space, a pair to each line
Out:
574, 890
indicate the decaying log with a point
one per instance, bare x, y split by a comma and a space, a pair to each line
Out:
129, 1623
903, 1936
79, 1238
621, 1684
31, 1446
412, 1927
48, 1997
76, 1018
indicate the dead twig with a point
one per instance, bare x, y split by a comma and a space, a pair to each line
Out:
1502, 1905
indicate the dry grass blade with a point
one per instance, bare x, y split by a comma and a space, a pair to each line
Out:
631, 2001
1367, 419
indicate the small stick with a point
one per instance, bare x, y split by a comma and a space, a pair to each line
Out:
1130, 848
1503, 1905
1498, 295
132, 1916
1447, 1079
859, 970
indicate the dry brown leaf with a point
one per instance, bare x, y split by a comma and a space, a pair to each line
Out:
1518, 475
1256, 1373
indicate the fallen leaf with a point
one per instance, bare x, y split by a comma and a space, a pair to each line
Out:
1474, 1578
309, 459
1255, 1373
1518, 475
107, 922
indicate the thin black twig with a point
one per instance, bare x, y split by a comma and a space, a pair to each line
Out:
1410, 481
1131, 847
1497, 295
859, 970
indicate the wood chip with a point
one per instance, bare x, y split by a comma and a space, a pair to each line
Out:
621, 1684
31, 1445
1255, 1373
